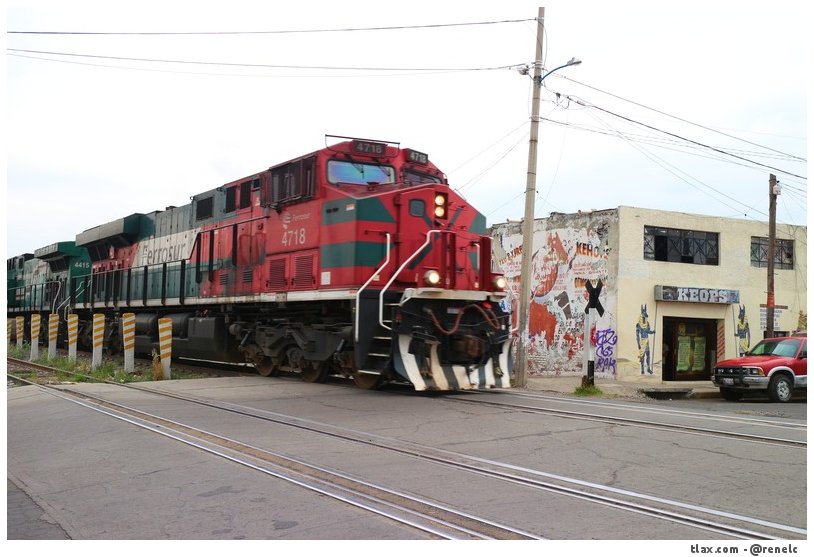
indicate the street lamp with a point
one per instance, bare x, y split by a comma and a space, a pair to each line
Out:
528, 220
571, 62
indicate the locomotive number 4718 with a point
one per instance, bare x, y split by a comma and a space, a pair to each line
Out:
294, 237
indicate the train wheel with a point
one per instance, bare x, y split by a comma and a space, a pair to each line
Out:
313, 372
367, 380
266, 367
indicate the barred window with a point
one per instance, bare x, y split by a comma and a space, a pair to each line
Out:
680, 246
783, 253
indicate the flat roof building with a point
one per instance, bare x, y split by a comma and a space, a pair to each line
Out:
680, 291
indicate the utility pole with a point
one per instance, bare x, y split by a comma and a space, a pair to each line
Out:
773, 191
528, 219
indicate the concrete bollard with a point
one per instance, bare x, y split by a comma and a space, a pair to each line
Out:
98, 339
165, 344
73, 334
53, 333
20, 331
35, 336
129, 341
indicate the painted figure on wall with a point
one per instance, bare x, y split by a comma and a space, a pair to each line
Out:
643, 332
742, 332
802, 323
541, 320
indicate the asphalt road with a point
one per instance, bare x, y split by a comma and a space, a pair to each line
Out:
96, 477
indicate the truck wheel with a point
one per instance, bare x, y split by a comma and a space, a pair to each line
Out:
729, 394
780, 388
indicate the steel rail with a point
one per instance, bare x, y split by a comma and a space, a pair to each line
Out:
621, 499
644, 409
438, 520
514, 474
660, 426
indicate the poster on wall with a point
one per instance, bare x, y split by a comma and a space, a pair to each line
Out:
683, 363
691, 353
699, 350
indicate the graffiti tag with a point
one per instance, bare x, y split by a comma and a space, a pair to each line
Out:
605, 342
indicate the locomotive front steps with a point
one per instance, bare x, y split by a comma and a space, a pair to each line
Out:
373, 347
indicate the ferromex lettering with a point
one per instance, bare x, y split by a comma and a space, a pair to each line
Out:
164, 249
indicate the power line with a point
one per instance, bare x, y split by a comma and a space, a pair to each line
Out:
680, 174
246, 65
401, 73
472, 181
803, 159
273, 32
664, 143
589, 105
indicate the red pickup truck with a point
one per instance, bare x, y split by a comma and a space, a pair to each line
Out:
776, 365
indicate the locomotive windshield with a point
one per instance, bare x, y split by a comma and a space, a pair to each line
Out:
413, 177
347, 172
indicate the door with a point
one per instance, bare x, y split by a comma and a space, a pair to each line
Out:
689, 348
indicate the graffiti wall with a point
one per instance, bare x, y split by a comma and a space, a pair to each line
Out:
568, 251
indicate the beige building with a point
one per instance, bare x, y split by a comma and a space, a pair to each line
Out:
680, 291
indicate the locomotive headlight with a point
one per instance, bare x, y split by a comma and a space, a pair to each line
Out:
500, 282
432, 277
440, 205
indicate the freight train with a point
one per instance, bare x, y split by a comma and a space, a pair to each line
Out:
357, 260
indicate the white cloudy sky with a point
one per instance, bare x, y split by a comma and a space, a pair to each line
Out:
96, 137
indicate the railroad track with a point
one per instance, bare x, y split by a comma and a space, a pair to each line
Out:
437, 520
707, 519
648, 423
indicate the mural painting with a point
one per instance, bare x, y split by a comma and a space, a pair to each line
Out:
643, 332
802, 322
742, 332
565, 259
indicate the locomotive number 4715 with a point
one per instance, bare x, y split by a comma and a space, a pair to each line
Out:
294, 237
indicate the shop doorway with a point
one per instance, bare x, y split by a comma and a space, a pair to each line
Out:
689, 348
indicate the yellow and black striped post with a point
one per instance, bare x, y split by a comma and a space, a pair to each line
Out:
35, 336
98, 339
73, 333
53, 332
165, 344
9, 327
129, 341
20, 331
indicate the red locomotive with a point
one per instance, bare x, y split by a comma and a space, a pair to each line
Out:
357, 260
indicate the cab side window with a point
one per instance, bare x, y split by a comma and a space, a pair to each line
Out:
292, 182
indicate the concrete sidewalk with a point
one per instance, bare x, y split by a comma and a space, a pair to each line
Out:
638, 387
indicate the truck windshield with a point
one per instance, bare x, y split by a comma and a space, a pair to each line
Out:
363, 174
782, 347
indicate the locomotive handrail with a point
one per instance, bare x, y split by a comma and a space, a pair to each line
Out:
367, 282
54, 306
66, 303
398, 272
